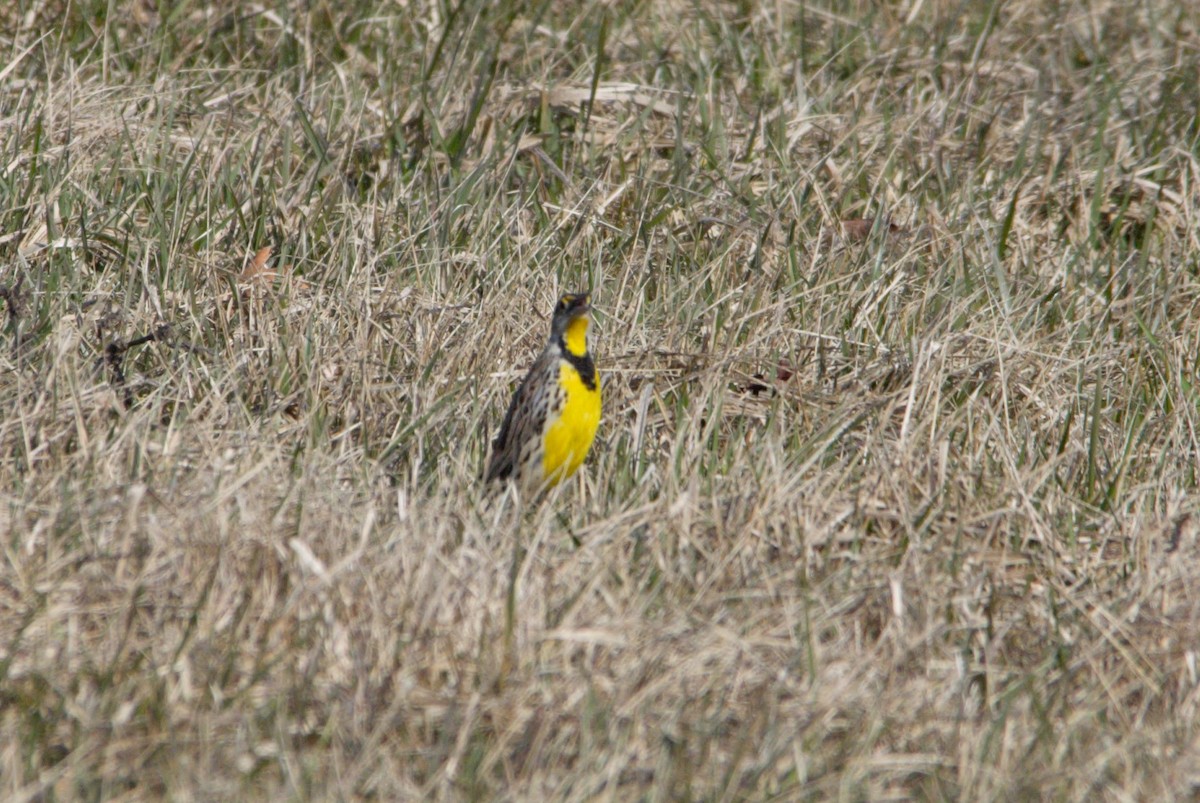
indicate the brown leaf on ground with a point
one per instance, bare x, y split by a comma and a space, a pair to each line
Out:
857, 229
256, 269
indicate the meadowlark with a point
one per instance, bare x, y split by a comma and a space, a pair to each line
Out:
552, 419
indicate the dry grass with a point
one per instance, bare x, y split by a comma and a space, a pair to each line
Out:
876, 511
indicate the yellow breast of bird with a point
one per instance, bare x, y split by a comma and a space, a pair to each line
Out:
569, 438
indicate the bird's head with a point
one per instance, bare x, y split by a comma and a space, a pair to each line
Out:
570, 322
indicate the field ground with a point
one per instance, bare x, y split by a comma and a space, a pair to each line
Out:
895, 495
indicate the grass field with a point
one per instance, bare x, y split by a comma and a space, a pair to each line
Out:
894, 496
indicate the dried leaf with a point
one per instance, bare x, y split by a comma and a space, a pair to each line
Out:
255, 268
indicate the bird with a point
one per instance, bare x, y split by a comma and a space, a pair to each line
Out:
555, 412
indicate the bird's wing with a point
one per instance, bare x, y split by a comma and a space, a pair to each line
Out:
521, 422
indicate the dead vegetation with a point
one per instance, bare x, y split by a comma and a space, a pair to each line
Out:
895, 493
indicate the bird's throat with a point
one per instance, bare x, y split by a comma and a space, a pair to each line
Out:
575, 338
